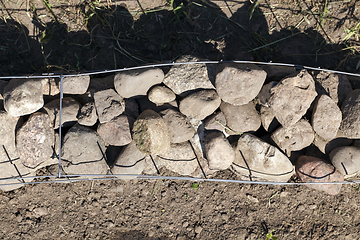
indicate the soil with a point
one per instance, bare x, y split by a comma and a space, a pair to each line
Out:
76, 35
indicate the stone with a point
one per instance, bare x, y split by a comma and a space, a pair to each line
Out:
238, 84
240, 119
216, 121
326, 117
35, 140
300, 89
254, 157
180, 158
180, 128
161, 95
87, 115
326, 146
50, 86
150, 133
13, 172
116, 132
218, 151
76, 85
295, 137
316, 170
152, 165
200, 104
131, 108
350, 125
108, 105
69, 112
346, 160
83, 152
8, 126
268, 119
134, 83
184, 78
276, 73
54, 159
23, 96
265, 94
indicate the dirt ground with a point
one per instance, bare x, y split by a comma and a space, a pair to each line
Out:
39, 36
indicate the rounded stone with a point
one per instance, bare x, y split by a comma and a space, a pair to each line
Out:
346, 160
116, 132
350, 125
180, 128
161, 95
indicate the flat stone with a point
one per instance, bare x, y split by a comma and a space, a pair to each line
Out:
76, 85
108, 105
238, 84
137, 82
161, 95
50, 86
216, 121
116, 132
326, 146
346, 160
70, 110
180, 128
87, 115
350, 125
268, 119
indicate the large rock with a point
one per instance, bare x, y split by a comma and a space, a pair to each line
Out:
76, 85
108, 105
316, 170
69, 112
200, 104
350, 125
23, 96
179, 126
35, 140
326, 117
186, 77
218, 151
137, 82
150, 133
326, 146
161, 95
242, 118
216, 121
238, 84
291, 97
295, 137
254, 157
87, 115
268, 119
346, 160
8, 125
116, 132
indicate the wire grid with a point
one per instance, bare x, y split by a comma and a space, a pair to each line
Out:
69, 178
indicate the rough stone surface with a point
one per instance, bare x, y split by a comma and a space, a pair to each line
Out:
137, 82
23, 96
116, 132
108, 105
326, 117
151, 133
152, 165
218, 151
50, 86
180, 128
8, 170
346, 160
87, 115
216, 121
161, 95
295, 137
350, 125
316, 170
257, 158
242, 118
70, 110
83, 152
35, 140
186, 77
326, 146
76, 85
268, 120
8, 125
238, 84
265, 94
300, 89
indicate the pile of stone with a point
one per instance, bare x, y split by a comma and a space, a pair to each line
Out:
262, 123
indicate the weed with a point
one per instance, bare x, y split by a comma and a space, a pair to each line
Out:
195, 186
270, 235
355, 31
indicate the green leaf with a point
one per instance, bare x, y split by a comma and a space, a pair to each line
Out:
195, 186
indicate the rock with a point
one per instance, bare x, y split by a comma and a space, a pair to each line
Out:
216, 121
152, 165
200, 104
276, 73
151, 134
181, 79
350, 125
265, 94
137, 82
242, 118
295, 137
180, 158
131, 108
87, 115
326, 117
145, 104
300, 89
83, 152
117, 132
76, 85
161, 95
238, 84
23, 96
70, 110
316, 170
35, 140
326, 146
54, 159
108, 105
346, 160
129, 161
254, 157
268, 120
180, 128
218, 151
337, 86
8, 125
50, 86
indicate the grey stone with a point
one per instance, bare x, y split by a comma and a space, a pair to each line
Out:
152, 165
70, 110
161, 95
137, 82
8, 125
23, 96
54, 159
216, 121
50, 86
87, 115
350, 125
200, 104
326, 146
116, 132
268, 119
179, 126
265, 94
76, 85
346, 160
108, 105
